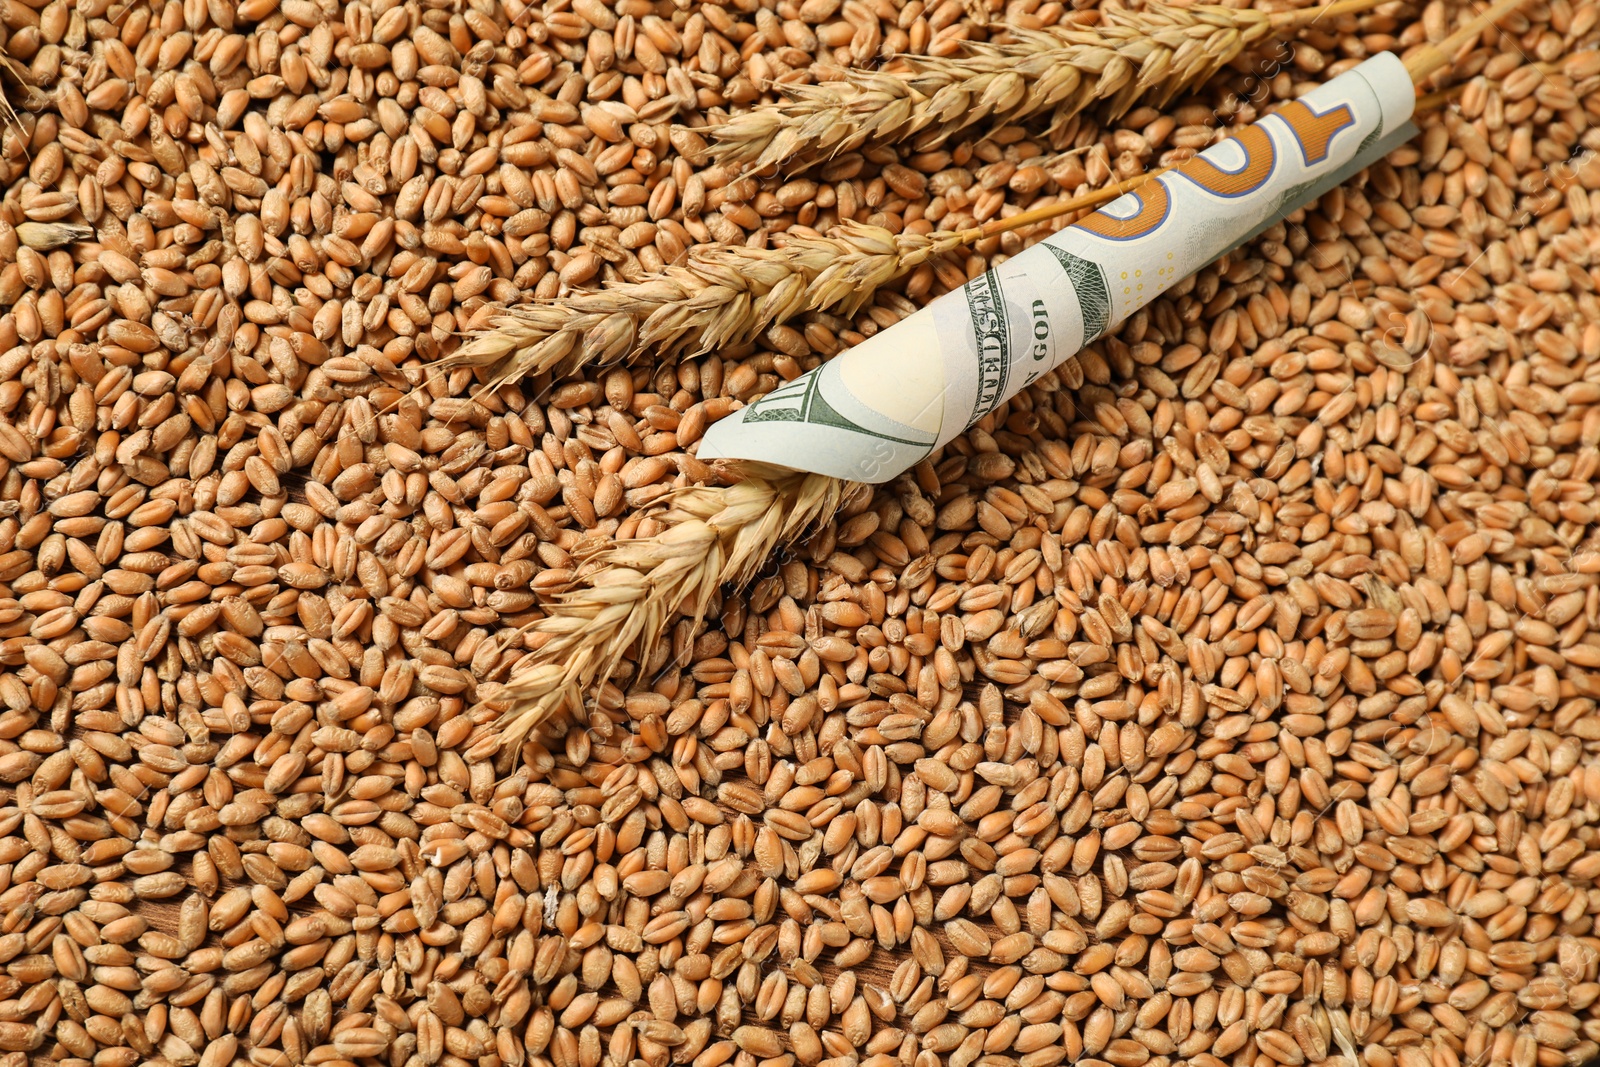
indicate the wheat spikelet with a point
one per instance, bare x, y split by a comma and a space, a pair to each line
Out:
722, 296
725, 296
1154, 54
714, 535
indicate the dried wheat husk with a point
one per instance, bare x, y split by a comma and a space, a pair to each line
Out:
722, 296
635, 588
1153, 54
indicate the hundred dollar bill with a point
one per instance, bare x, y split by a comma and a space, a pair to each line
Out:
891, 401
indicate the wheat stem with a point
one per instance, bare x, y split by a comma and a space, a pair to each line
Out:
1429, 59
1154, 54
1053, 211
1300, 18
1441, 97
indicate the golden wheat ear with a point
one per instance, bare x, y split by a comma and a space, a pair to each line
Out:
1152, 54
721, 296
714, 536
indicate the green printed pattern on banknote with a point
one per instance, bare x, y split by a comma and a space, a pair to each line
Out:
1089, 286
802, 401
991, 331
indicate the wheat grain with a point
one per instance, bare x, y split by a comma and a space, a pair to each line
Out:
1045, 754
43, 236
1154, 53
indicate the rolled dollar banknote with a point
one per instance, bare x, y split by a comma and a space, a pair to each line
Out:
891, 401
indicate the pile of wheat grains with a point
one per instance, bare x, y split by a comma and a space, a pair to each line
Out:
1227, 698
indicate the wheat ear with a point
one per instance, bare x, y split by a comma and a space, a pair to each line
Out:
714, 536
723, 295
1153, 54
